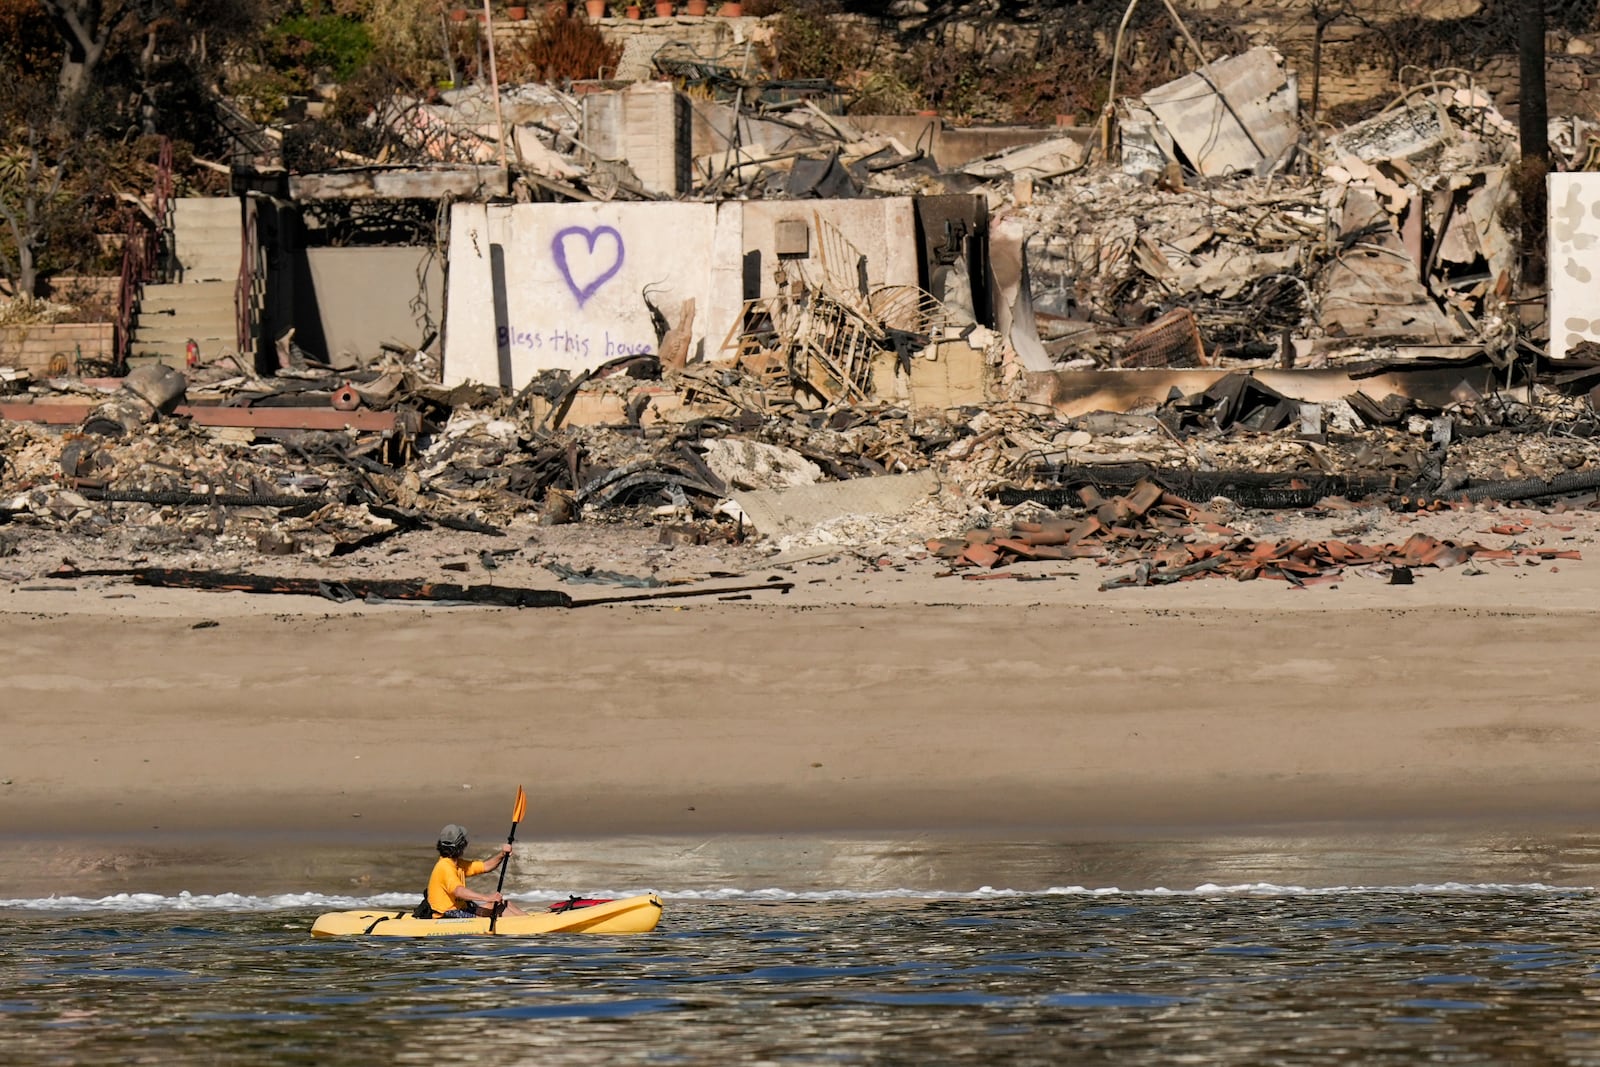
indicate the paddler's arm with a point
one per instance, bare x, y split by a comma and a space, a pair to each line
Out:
497, 859
467, 896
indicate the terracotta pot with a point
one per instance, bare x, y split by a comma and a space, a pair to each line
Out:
731, 11
516, 14
663, 9
556, 10
596, 9
633, 12
458, 14
695, 7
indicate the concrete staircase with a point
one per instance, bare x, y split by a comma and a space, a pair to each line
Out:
198, 305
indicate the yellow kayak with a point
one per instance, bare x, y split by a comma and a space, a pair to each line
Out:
633, 915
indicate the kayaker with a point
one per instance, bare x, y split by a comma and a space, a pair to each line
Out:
448, 894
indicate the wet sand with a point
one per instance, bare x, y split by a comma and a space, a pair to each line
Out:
889, 702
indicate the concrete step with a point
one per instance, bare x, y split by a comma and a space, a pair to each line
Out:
144, 359
177, 354
221, 251
179, 317
209, 308
209, 323
206, 207
180, 333
207, 237
207, 271
187, 295
207, 228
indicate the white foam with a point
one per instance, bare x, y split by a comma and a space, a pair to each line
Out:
243, 902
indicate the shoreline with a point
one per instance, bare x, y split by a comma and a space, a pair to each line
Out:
877, 701
230, 871
767, 719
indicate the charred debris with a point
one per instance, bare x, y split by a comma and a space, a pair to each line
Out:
1202, 307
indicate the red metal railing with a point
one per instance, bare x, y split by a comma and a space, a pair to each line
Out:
141, 254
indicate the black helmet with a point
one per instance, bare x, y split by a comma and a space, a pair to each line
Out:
452, 840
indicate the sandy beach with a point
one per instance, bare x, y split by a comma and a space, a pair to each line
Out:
878, 695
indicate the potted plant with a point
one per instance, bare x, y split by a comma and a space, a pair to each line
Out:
556, 9
516, 13
458, 14
595, 9
695, 8
663, 9
731, 10
632, 12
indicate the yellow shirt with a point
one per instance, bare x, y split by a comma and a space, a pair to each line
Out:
448, 876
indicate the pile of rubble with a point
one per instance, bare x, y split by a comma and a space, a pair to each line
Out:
1169, 539
1227, 238
469, 459
1222, 239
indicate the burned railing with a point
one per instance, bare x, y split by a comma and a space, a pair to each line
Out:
142, 246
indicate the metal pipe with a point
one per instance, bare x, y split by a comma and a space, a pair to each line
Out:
494, 86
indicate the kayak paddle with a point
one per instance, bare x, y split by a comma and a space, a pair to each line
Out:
516, 817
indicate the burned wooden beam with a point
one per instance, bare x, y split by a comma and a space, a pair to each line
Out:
415, 519
404, 589
671, 594
408, 589
180, 499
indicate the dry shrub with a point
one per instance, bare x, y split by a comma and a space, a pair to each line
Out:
810, 40
883, 94
1064, 71
406, 35
559, 50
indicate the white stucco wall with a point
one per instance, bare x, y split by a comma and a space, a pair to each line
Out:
1574, 268
882, 230
575, 274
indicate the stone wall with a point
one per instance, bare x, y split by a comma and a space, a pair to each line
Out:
709, 37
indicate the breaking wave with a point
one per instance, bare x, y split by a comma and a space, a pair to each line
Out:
244, 902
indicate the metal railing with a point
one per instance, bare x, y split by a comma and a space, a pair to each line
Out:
142, 246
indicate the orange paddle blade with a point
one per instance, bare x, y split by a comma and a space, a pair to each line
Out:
522, 806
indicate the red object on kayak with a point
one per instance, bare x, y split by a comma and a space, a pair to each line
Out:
572, 903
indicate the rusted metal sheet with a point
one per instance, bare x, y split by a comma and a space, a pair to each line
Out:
48, 414
291, 418
1162, 534
1173, 340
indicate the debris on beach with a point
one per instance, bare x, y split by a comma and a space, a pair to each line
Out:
1170, 539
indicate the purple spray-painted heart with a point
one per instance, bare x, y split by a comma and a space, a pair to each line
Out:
558, 248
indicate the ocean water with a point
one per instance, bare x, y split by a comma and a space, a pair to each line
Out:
1242, 972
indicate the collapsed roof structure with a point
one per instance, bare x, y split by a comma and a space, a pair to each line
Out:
619, 277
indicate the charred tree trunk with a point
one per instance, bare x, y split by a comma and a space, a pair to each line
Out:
1533, 130
85, 28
